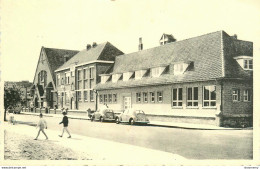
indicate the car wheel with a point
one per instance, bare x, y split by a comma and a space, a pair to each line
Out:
117, 120
101, 119
131, 121
92, 118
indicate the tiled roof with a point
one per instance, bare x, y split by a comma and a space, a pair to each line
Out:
56, 57
209, 53
104, 51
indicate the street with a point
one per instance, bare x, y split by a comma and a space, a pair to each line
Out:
191, 144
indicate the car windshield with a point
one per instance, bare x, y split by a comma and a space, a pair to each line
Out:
139, 112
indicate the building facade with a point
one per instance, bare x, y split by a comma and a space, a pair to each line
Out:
77, 78
206, 79
43, 91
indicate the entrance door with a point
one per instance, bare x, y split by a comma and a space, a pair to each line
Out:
127, 102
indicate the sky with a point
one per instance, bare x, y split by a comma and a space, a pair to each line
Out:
27, 25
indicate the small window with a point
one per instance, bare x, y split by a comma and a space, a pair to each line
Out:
85, 95
138, 97
192, 98
114, 98
177, 97
105, 98
110, 98
159, 96
247, 95
91, 95
145, 97
100, 98
236, 95
152, 97
209, 96
248, 64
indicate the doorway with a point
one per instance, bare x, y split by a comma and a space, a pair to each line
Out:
127, 103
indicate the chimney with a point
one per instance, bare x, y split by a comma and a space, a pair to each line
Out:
94, 44
235, 36
88, 46
140, 46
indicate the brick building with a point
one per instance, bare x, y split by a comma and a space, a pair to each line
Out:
77, 77
43, 91
206, 79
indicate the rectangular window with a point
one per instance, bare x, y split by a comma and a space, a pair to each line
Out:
67, 78
152, 97
85, 95
79, 75
209, 96
91, 95
79, 95
192, 96
85, 84
114, 98
177, 97
91, 73
248, 64
100, 98
85, 74
67, 100
236, 95
110, 98
247, 95
145, 97
159, 96
105, 98
138, 97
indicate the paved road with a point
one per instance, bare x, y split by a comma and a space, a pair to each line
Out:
191, 144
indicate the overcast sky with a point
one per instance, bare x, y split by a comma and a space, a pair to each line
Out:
26, 25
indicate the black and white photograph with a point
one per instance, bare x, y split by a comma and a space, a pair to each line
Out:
129, 83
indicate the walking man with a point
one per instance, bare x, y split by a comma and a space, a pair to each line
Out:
41, 124
65, 122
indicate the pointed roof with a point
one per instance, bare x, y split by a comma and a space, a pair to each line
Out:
56, 56
212, 54
169, 36
104, 51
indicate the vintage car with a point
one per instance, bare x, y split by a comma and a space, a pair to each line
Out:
132, 116
103, 114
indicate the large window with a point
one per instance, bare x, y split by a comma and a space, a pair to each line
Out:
91, 73
110, 98
192, 96
236, 95
79, 79
145, 97
247, 95
42, 78
91, 95
79, 95
85, 95
85, 83
159, 96
114, 98
152, 97
248, 64
138, 97
101, 98
177, 97
67, 78
209, 96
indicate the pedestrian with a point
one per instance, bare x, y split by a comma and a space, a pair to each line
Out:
65, 122
42, 124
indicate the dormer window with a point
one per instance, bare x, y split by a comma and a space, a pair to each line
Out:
180, 68
116, 77
156, 72
127, 75
139, 74
246, 62
104, 78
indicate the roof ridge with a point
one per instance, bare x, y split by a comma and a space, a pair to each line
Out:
59, 49
171, 43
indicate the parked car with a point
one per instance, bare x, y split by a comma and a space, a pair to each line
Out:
15, 110
132, 116
104, 114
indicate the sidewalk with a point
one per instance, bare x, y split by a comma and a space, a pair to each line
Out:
152, 123
102, 152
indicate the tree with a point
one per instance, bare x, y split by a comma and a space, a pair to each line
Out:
12, 97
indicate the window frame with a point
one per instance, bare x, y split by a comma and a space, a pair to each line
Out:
138, 97
192, 101
85, 98
158, 96
248, 95
101, 98
110, 98
152, 97
91, 95
114, 98
178, 100
210, 100
237, 95
145, 97
247, 64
